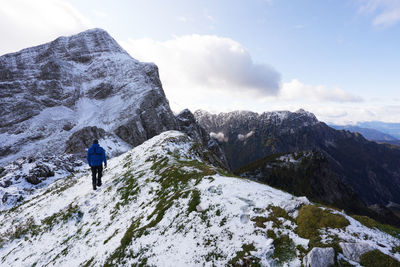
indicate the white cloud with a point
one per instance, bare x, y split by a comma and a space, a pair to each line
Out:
206, 64
296, 90
219, 136
26, 23
386, 12
244, 137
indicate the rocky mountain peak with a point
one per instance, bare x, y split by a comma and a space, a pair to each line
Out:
75, 47
52, 93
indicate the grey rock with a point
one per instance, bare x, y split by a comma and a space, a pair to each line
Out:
320, 257
353, 251
38, 173
68, 126
50, 93
83, 138
188, 124
5, 197
11, 199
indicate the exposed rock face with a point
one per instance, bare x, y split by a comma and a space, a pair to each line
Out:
353, 251
371, 170
52, 91
187, 123
320, 257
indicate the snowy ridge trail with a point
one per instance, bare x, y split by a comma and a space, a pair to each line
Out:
162, 204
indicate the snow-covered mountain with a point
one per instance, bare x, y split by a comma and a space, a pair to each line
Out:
57, 97
163, 204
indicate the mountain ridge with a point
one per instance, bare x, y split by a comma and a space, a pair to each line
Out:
161, 202
370, 169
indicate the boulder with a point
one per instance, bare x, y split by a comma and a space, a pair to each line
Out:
353, 251
320, 257
39, 173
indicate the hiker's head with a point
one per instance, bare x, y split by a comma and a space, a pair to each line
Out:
95, 141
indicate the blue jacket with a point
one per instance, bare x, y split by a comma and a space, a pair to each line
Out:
96, 155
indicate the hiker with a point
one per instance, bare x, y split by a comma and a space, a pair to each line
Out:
95, 157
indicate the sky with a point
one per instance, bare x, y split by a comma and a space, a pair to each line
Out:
339, 59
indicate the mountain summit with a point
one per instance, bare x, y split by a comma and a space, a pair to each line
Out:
58, 96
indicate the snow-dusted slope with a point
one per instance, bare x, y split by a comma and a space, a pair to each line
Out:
161, 204
54, 92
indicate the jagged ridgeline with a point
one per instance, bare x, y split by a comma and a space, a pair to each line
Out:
296, 152
164, 203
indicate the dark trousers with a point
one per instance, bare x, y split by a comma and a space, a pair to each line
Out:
96, 171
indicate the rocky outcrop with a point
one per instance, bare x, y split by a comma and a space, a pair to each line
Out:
38, 173
187, 123
21, 177
53, 92
353, 251
320, 257
83, 138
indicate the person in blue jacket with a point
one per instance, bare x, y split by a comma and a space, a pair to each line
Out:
95, 157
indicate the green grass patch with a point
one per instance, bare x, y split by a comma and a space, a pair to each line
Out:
391, 230
63, 216
119, 253
111, 236
395, 249
194, 200
128, 191
311, 219
376, 258
88, 263
259, 221
344, 263
284, 249
244, 257
25, 228
276, 213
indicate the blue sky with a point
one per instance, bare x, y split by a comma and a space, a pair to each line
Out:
337, 58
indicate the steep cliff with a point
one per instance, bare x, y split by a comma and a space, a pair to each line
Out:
57, 96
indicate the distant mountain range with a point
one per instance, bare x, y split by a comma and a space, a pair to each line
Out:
368, 133
392, 129
340, 158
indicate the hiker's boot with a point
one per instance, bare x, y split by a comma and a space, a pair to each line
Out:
94, 187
